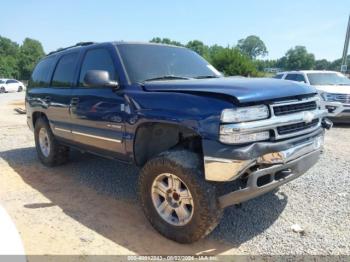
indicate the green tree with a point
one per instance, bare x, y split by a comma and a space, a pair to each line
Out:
8, 58
252, 46
322, 64
298, 58
165, 41
263, 64
199, 48
232, 62
336, 64
30, 53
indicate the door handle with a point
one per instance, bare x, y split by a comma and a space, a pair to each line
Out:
74, 101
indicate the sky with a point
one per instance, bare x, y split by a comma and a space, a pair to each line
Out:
318, 25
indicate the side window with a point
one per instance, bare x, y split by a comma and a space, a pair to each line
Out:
291, 77
300, 78
97, 59
40, 76
11, 81
279, 76
65, 69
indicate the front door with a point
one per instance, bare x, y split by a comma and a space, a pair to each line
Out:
97, 113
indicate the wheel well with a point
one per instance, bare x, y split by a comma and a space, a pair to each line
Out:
37, 115
153, 138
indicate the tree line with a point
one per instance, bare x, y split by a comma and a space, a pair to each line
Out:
246, 58
18, 61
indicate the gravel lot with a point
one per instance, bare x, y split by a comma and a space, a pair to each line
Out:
89, 205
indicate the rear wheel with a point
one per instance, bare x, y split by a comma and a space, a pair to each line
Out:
49, 150
176, 199
2, 89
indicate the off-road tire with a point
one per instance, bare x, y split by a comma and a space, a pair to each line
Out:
187, 166
58, 154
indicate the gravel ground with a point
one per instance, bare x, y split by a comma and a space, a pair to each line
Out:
319, 202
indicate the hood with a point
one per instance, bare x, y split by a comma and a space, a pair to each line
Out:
334, 89
244, 90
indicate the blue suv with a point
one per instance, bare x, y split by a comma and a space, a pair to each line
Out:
167, 110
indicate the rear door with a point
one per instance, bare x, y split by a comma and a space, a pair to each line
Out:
59, 95
98, 112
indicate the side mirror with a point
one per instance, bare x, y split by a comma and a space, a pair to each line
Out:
99, 78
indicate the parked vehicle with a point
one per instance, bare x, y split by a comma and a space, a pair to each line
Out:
332, 86
11, 85
167, 110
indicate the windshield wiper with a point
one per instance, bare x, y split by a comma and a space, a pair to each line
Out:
208, 76
167, 77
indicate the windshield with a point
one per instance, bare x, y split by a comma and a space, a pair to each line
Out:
328, 79
156, 62
2, 81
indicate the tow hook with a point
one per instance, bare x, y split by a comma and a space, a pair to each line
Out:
327, 124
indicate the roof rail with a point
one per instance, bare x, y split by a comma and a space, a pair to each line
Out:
69, 47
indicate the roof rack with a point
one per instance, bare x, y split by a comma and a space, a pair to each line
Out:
69, 47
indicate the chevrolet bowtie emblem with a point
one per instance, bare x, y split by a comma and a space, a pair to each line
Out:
308, 117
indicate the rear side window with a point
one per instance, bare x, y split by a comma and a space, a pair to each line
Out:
295, 77
97, 59
291, 77
279, 76
301, 78
11, 81
40, 76
65, 69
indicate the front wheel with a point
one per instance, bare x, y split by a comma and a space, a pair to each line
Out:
49, 150
176, 199
20, 89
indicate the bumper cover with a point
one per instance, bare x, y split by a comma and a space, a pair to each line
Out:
272, 178
226, 163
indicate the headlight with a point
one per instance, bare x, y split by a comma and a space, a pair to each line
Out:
244, 114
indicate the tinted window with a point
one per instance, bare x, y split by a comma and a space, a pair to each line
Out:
291, 77
300, 78
11, 81
295, 77
40, 76
97, 59
65, 69
279, 76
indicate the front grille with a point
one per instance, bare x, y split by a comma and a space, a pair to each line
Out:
342, 98
294, 108
288, 129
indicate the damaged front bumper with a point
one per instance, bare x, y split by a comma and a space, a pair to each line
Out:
264, 165
266, 179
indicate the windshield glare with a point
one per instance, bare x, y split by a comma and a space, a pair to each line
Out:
143, 62
328, 79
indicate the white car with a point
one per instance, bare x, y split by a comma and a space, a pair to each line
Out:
11, 85
332, 86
